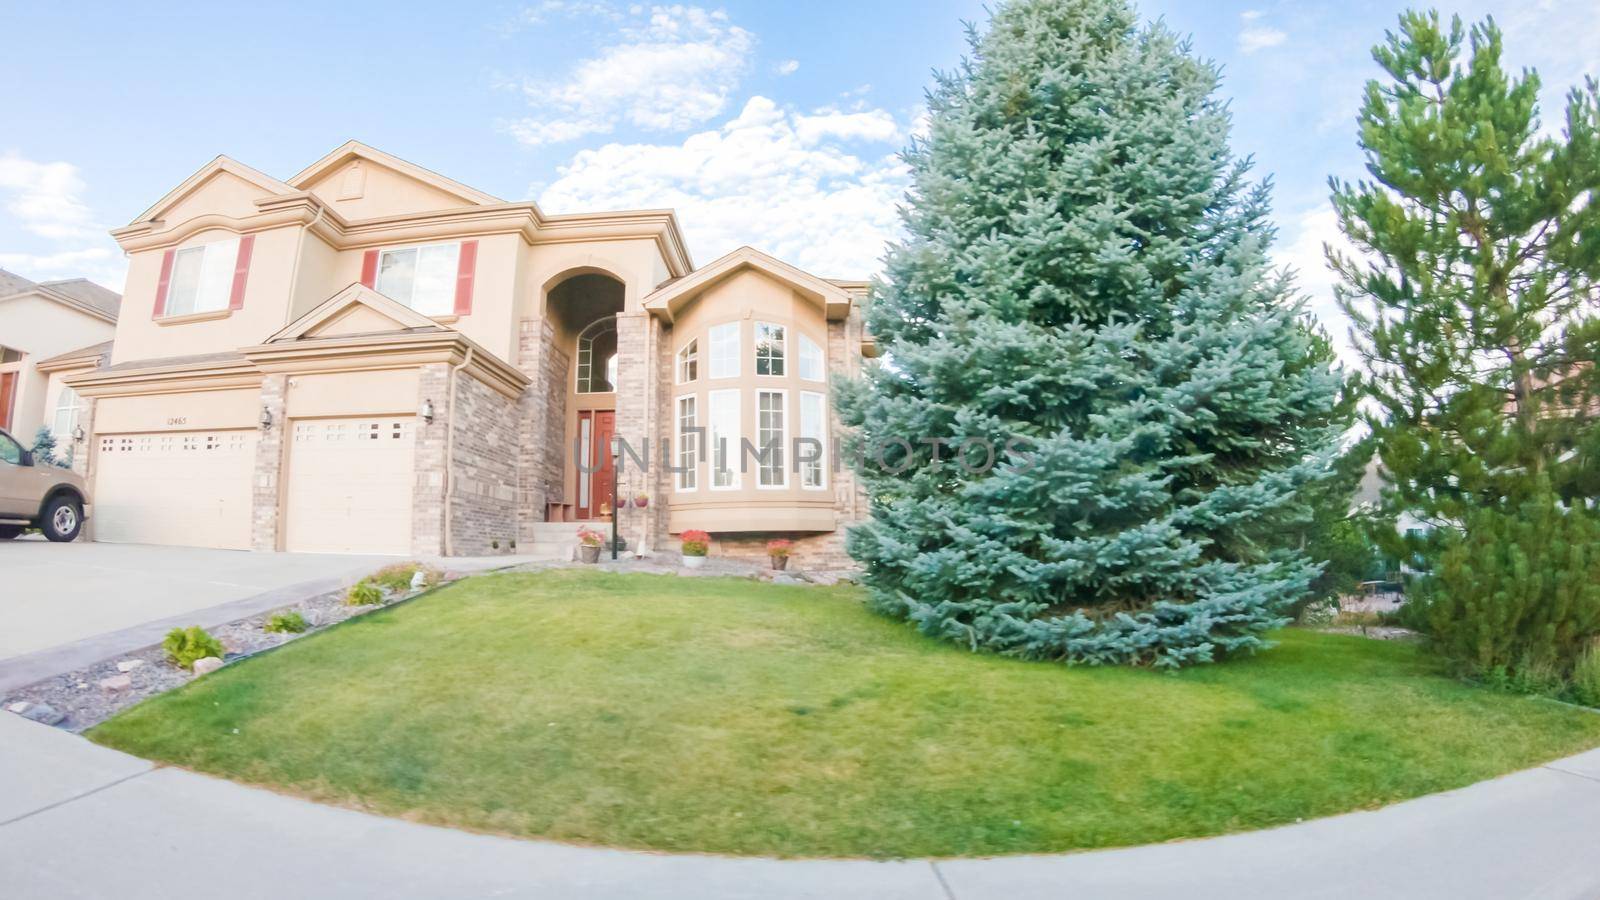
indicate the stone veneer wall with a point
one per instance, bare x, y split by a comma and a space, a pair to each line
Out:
266, 514
427, 497
813, 551
483, 483
552, 457
636, 415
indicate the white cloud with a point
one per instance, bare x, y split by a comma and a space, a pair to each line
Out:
1250, 15
787, 67
1304, 252
1259, 38
671, 71
105, 266
547, 10
46, 198
770, 177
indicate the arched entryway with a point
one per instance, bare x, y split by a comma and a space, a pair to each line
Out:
582, 311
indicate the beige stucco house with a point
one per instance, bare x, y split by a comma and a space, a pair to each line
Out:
371, 357
46, 329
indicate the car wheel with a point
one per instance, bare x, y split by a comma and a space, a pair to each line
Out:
10, 532
62, 519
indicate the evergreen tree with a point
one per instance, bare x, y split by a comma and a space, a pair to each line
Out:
1473, 297
1085, 280
44, 449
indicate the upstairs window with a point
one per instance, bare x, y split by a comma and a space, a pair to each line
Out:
202, 278
423, 278
769, 349
597, 357
689, 362
724, 340
811, 367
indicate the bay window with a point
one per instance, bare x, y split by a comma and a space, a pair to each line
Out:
769, 349
724, 340
813, 428
688, 447
770, 437
722, 413
811, 367
689, 362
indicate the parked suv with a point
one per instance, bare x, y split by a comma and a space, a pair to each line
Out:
49, 498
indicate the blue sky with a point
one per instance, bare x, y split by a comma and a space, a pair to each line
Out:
773, 124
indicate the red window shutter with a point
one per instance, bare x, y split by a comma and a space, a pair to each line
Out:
241, 271
369, 268
162, 285
466, 266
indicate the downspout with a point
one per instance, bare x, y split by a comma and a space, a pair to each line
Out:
449, 453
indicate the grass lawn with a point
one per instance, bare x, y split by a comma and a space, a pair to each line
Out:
730, 716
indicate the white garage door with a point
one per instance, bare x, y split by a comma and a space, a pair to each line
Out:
190, 488
349, 485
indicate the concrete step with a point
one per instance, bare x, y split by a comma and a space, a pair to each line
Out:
558, 550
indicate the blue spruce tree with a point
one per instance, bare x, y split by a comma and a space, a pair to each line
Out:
1085, 279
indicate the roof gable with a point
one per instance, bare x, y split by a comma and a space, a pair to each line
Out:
357, 309
223, 182
673, 296
364, 182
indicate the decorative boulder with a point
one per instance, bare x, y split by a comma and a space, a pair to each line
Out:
43, 713
128, 665
205, 665
116, 683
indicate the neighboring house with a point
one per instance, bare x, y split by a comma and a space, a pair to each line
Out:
370, 357
40, 324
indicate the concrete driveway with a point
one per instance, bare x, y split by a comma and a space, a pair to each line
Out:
65, 605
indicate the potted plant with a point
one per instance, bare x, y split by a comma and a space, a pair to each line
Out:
778, 552
695, 544
641, 500
589, 542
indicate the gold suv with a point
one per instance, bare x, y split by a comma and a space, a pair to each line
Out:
45, 497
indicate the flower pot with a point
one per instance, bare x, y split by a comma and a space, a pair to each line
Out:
780, 562
693, 562
641, 502
589, 553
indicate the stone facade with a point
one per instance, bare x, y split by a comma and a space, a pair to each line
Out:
427, 495
483, 470
266, 514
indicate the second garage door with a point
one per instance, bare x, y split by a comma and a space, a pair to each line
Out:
190, 488
349, 485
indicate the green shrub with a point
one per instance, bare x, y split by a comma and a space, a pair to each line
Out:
287, 623
364, 593
185, 645
397, 578
1586, 677
1516, 598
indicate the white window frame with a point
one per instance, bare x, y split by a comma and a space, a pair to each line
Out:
817, 431
585, 461
447, 305
811, 355
688, 449
689, 358
585, 352
213, 286
733, 447
781, 360
762, 466
727, 364
68, 401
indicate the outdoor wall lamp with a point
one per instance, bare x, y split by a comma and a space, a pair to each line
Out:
426, 412
266, 418
77, 434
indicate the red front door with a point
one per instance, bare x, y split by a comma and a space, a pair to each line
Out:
595, 428
8, 397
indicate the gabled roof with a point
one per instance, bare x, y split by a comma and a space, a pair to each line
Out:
220, 164
666, 300
362, 310
78, 293
82, 357
356, 150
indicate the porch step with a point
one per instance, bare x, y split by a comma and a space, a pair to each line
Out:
553, 540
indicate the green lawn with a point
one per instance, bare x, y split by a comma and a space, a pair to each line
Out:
730, 716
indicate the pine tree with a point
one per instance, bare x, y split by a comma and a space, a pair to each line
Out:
1085, 282
44, 449
1472, 298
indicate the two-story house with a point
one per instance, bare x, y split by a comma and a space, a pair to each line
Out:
47, 329
370, 357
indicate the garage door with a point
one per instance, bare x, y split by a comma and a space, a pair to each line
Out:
189, 488
349, 485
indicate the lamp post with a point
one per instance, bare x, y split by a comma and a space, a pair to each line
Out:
616, 475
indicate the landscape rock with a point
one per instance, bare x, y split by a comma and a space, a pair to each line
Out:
116, 683
128, 665
206, 665
19, 707
43, 713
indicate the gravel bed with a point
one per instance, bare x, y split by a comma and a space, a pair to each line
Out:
669, 563
85, 698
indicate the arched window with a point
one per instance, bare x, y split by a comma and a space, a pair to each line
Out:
597, 357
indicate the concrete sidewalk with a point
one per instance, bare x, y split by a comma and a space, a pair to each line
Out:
77, 820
